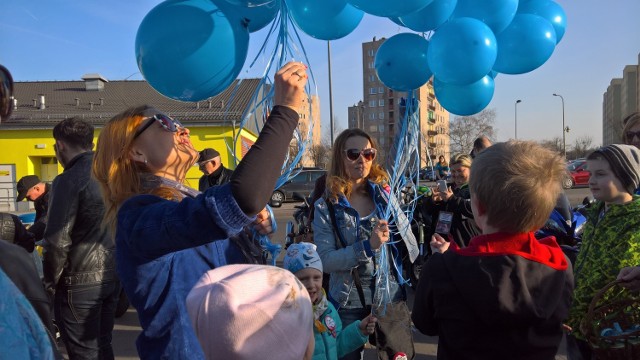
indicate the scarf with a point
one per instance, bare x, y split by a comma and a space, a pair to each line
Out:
318, 309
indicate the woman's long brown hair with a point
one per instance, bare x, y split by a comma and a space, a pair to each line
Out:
337, 180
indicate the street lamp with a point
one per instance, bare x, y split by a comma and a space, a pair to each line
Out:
516, 114
565, 129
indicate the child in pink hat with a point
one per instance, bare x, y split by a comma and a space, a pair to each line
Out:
331, 340
251, 312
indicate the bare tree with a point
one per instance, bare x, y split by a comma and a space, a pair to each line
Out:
554, 144
582, 146
463, 130
320, 155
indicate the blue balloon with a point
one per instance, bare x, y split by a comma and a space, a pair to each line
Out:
255, 16
550, 10
462, 51
525, 44
326, 19
464, 100
401, 62
497, 14
431, 16
396, 20
190, 50
387, 8
249, 3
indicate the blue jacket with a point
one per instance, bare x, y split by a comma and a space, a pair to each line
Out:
338, 260
331, 345
162, 249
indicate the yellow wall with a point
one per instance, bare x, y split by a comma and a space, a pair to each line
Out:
21, 147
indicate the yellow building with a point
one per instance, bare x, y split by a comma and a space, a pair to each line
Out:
26, 140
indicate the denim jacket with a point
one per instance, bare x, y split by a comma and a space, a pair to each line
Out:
338, 261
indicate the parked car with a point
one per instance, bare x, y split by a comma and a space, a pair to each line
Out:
428, 173
577, 174
303, 182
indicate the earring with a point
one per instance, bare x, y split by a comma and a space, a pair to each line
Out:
145, 161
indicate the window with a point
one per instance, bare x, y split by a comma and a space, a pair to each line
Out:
381, 102
371, 66
370, 52
372, 116
380, 115
373, 128
372, 78
300, 178
381, 90
316, 174
372, 90
381, 128
390, 115
372, 103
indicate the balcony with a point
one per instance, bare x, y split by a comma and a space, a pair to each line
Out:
432, 106
432, 120
432, 145
432, 133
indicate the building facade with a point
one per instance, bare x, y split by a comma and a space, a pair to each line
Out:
621, 99
379, 113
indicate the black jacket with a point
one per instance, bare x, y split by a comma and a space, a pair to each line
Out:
221, 176
77, 248
463, 227
42, 206
505, 296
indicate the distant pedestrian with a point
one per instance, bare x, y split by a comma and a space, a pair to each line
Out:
79, 253
442, 168
214, 171
30, 187
479, 145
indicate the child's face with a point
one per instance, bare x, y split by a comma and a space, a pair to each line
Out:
604, 185
312, 280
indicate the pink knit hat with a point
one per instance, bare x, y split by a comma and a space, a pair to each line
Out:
251, 312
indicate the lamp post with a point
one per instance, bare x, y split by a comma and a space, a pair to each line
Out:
516, 116
564, 128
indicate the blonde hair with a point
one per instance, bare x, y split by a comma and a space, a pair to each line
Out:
629, 122
518, 184
119, 177
337, 180
462, 159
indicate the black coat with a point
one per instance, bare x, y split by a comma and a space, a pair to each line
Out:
503, 297
77, 248
42, 207
463, 227
221, 176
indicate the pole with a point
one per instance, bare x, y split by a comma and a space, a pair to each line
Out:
564, 129
516, 117
330, 92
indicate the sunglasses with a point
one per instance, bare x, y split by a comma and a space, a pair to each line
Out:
631, 134
167, 123
354, 154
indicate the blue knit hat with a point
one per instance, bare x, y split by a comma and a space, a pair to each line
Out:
301, 256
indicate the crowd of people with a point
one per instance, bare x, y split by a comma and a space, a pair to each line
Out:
121, 217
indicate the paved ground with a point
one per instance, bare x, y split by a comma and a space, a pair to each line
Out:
127, 328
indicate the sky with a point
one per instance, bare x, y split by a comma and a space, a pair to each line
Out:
65, 39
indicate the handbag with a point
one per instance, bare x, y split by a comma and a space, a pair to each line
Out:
393, 329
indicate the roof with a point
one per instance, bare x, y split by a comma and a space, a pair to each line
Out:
64, 99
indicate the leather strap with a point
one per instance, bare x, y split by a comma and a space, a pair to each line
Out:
341, 244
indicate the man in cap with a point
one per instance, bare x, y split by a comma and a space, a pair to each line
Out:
214, 172
33, 189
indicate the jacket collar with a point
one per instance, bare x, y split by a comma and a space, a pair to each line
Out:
544, 251
77, 158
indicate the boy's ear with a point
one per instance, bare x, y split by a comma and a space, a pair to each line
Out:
478, 207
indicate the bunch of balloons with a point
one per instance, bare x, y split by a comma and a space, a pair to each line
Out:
191, 50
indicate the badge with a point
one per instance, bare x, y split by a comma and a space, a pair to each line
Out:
331, 325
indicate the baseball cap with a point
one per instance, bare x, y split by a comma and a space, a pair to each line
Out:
26, 183
208, 154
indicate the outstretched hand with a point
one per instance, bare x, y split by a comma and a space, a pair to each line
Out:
262, 223
290, 81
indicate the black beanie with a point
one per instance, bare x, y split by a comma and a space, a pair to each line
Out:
624, 161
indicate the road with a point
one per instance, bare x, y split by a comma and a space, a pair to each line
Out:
127, 327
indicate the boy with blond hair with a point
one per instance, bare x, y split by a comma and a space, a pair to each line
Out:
506, 294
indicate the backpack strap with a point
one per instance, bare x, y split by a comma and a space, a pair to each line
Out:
342, 244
